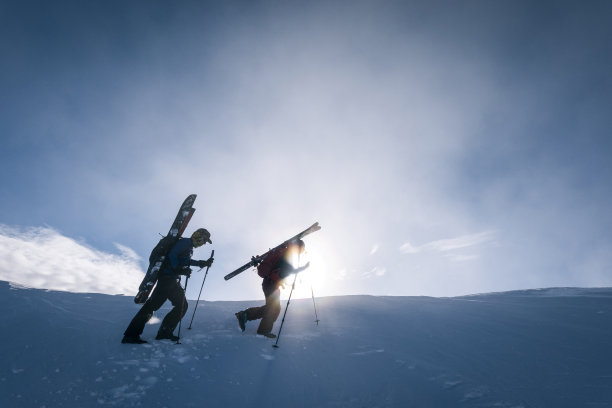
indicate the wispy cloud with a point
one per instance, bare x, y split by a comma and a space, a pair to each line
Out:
408, 248
45, 259
376, 271
450, 246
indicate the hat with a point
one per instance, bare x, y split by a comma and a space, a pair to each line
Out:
201, 236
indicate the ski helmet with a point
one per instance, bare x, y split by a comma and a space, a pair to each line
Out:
200, 237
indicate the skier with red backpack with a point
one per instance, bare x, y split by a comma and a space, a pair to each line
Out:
274, 268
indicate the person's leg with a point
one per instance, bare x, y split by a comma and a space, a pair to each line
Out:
257, 312
136, 326
176, 295
271, 312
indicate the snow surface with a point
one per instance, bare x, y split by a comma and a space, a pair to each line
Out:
540, 348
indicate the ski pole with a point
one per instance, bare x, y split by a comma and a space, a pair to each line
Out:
285, 314
196, 305
315, 305
182, 308
286, 307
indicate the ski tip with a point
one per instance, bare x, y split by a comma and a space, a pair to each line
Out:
190, 199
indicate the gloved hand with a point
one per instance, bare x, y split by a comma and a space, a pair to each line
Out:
208, 262
185, 271
301, 268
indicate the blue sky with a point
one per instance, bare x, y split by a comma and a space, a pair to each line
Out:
445, 147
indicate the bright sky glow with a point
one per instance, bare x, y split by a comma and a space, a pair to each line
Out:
312, 280
446, 148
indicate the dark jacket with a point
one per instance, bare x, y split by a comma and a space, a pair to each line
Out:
179, 259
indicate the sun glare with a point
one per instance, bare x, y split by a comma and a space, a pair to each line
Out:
313, 279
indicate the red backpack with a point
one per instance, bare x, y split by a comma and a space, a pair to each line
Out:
268, 267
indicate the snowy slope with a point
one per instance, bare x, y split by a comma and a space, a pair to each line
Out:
545, 348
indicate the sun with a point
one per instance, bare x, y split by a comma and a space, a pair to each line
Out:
311, 280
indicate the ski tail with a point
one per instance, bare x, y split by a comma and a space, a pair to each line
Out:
257, 259
239, 270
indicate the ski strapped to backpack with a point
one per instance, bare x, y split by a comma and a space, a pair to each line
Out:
159, 254
256, 260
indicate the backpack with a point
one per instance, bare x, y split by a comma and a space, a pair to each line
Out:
157, 259
162, 248
267, 268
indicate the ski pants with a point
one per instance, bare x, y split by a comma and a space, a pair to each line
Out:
168, 288
269, 312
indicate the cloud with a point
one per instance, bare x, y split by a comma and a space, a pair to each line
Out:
376, 271
45, 259
461, 257
408, 248
379, 271
450, 246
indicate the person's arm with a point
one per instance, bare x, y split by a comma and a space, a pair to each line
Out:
287, 269
203, 264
